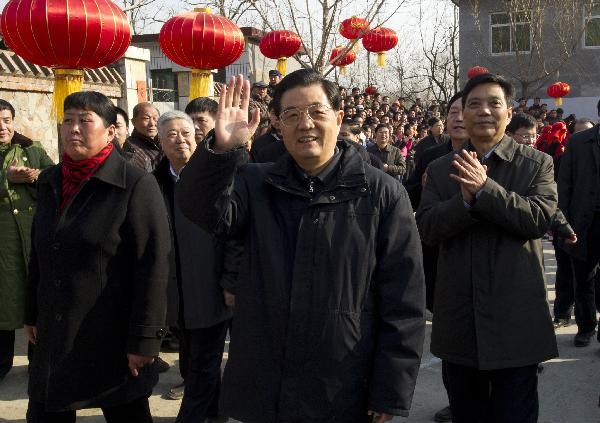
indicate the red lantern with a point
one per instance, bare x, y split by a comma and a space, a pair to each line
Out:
354, 28
201, 41
341, 59
380, 40
67, 36
557, 91
476, 70
280, 45
371, 90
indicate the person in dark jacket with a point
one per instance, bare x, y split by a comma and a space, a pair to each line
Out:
329, 318
487, 207
391, 157
95, 303
132, 154
436, 137
579, 200
349, 131
202, 282
145, 134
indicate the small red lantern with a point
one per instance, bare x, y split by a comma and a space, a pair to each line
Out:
371, 90
67, 36
353, 29
342, 57
380, 40
280, 45
476, 70
201, 41
557, 91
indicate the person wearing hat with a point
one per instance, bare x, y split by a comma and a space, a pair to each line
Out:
259, 98
274, 77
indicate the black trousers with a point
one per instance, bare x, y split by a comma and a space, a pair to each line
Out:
137, 411
585, 280
563, 285
492, 396
7, 351
200, 356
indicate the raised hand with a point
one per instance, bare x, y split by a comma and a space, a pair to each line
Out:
232, 128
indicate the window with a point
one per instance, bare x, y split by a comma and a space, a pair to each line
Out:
592, 27
510, 32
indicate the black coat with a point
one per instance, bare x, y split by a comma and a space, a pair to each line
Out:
414, 182
428, 142
201, 267
150, 147
579, 186
331, 324
97, 287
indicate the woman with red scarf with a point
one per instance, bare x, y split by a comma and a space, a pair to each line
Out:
95, 303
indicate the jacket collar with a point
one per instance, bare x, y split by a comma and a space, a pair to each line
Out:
22, 140
505, 150
152, 141
592, 134
351, 171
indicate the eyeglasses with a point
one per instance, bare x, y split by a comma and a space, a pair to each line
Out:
527, 137
292, 116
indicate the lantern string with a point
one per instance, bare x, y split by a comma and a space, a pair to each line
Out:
200, 83
66, 81
282, 65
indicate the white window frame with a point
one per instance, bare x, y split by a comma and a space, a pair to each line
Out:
510, 25
585, 21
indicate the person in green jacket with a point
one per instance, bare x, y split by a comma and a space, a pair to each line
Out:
21, 161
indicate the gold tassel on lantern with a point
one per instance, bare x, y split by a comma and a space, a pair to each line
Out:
282, 65
381, 59
342, 70
66, 81
558, 101
200, 83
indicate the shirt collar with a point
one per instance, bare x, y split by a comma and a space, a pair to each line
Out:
174, 174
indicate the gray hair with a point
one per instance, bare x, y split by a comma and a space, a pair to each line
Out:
172, 115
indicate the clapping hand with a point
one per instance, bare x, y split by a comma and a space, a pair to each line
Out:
380, 417
21, 174
232, 127
471, 174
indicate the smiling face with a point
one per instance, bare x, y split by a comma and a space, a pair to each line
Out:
382, 137
177, 138
7, 126
311, 142
486, 113
83, 134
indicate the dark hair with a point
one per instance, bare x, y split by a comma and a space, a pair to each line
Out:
407, 126
92, 101
123, 113
521, 120
306, 78
457, 96
5, 105
202, 105
382, 125
432, 121
138, 108
489, 78
353, 127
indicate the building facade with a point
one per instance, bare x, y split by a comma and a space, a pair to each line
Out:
559, 41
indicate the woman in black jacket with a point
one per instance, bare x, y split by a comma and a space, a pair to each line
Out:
95, 302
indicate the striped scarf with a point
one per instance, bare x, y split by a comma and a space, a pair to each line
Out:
76, 173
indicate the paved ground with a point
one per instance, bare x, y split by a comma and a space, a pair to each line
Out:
569, 385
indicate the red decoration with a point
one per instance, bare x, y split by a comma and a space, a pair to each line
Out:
476, 70
337, 58
66, 34
201, 41
371, 90
380, 40
354, 28
553, 139
280, 45
557, 91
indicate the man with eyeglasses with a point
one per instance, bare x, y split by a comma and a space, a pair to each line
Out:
330, 300
523, 129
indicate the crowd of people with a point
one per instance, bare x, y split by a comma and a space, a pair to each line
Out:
313, 223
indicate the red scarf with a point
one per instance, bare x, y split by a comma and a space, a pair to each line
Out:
76, 173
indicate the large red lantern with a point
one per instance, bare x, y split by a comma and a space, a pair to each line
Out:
371, 90
380, 40
201, 41
279, 45
354, 28
557, 91
67, 36
476, 70
342, 57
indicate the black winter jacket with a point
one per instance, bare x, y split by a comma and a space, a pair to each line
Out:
333, 325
